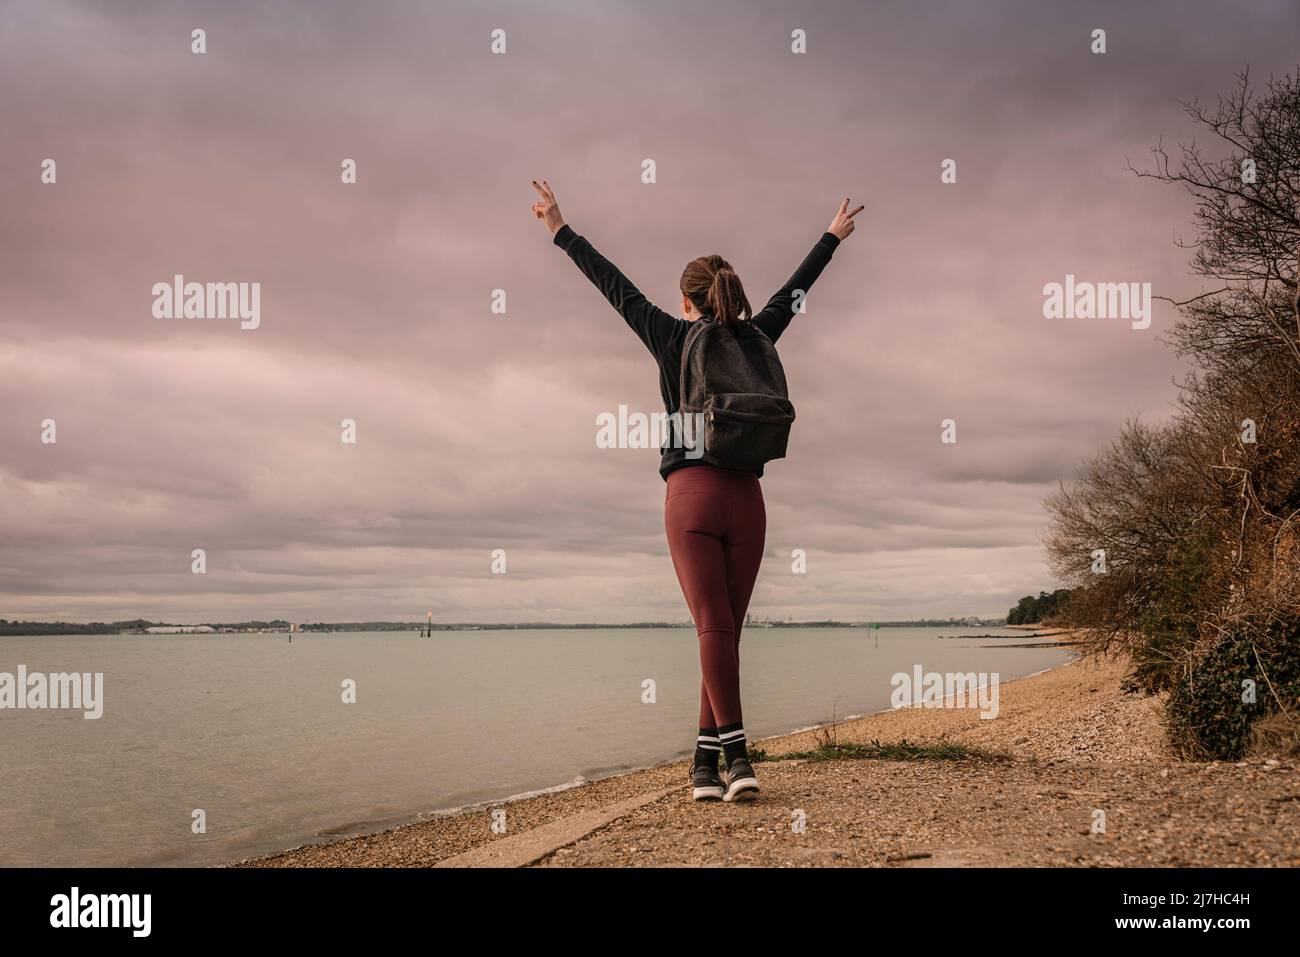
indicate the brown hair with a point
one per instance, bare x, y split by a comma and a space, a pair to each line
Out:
710, 283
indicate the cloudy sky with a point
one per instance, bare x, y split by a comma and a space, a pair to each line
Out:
476, 431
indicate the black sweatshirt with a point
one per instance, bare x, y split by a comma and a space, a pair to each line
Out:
664, 334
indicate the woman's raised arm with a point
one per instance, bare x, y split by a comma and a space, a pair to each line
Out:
649, 322
776, 315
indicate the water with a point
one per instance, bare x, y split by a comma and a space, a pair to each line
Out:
252, 729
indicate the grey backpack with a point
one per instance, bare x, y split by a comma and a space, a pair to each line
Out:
733, 385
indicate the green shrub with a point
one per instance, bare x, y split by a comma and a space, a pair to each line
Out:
1209, 714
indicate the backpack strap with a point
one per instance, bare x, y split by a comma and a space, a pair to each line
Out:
698, 330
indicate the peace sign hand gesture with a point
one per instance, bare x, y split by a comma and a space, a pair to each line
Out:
842, 225
548, 210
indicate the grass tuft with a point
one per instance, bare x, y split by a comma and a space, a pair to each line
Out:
904, 750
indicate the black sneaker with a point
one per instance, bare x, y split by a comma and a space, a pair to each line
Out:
707, 784
741, 784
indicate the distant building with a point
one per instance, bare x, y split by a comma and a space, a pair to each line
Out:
180, 630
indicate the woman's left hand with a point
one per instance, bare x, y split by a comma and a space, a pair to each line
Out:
842, 225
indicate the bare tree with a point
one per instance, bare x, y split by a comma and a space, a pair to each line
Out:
1247, 222
1199, 518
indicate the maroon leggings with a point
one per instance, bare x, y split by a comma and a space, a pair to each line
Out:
716, 525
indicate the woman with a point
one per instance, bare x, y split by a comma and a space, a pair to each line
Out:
714, 517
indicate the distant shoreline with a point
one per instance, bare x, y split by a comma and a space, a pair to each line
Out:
32, 629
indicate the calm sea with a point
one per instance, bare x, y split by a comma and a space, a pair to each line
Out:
253, 731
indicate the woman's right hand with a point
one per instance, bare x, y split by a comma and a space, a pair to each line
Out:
842, 225
548, 210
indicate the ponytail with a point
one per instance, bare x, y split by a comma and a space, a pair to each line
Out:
715, 289
726, 299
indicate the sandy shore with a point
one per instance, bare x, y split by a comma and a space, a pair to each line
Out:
1067, 751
